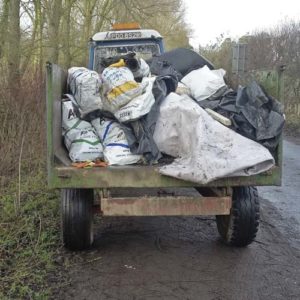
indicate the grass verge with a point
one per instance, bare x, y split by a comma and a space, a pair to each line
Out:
292, 126
29, 238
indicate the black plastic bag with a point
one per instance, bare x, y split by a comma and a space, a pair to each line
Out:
254, 114
139, 133
182, 60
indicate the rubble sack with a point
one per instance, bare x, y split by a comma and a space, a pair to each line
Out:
112, 136
138, 106
79, 136
85, 87
120, 87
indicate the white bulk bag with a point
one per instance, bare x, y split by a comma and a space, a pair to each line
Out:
79, 136
138, 106
112, 136
204, 82
85, 87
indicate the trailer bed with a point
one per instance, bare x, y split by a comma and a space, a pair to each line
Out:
62, 175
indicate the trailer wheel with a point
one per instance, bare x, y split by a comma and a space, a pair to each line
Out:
240, 227
77, 218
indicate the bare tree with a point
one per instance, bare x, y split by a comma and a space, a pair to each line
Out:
3, 25
54, 14
13, 41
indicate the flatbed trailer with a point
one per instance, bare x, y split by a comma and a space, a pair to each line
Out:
233, 200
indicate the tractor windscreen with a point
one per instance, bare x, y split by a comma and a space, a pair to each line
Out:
145, 51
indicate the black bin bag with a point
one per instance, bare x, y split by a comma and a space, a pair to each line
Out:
182, 60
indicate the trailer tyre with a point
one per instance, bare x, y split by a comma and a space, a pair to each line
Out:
240, 227
77, 218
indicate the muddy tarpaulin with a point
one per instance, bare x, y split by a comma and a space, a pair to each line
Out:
253, 113
205, 150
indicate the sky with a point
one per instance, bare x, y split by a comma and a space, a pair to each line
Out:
234, 18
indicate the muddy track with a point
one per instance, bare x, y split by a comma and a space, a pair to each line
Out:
182, 258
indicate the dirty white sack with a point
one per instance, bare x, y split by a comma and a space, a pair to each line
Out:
116, 149
79, 136
119, 87
85, 87
204, 82
205, 149
138, 106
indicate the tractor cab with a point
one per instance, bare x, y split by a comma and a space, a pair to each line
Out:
124, 38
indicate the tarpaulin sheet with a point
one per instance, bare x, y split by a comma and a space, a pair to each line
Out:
205, 150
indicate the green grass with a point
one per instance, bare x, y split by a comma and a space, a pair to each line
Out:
292, 126
29, 238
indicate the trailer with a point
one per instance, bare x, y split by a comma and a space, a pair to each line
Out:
234, 201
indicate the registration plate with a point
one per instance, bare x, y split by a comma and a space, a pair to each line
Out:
124, 35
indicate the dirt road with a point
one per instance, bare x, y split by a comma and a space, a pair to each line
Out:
183, 258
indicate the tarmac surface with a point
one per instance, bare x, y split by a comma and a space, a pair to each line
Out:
184, 258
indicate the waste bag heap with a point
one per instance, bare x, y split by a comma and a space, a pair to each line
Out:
176, 105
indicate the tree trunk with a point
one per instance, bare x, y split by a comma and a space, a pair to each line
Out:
13, 40
67, 32
3, 27
54, 17
39, 28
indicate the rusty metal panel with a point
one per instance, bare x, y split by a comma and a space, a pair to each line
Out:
166, 206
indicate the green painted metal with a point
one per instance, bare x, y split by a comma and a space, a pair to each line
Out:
144, 177
49, 109
62, 175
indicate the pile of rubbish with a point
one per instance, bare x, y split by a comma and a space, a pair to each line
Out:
138, 112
